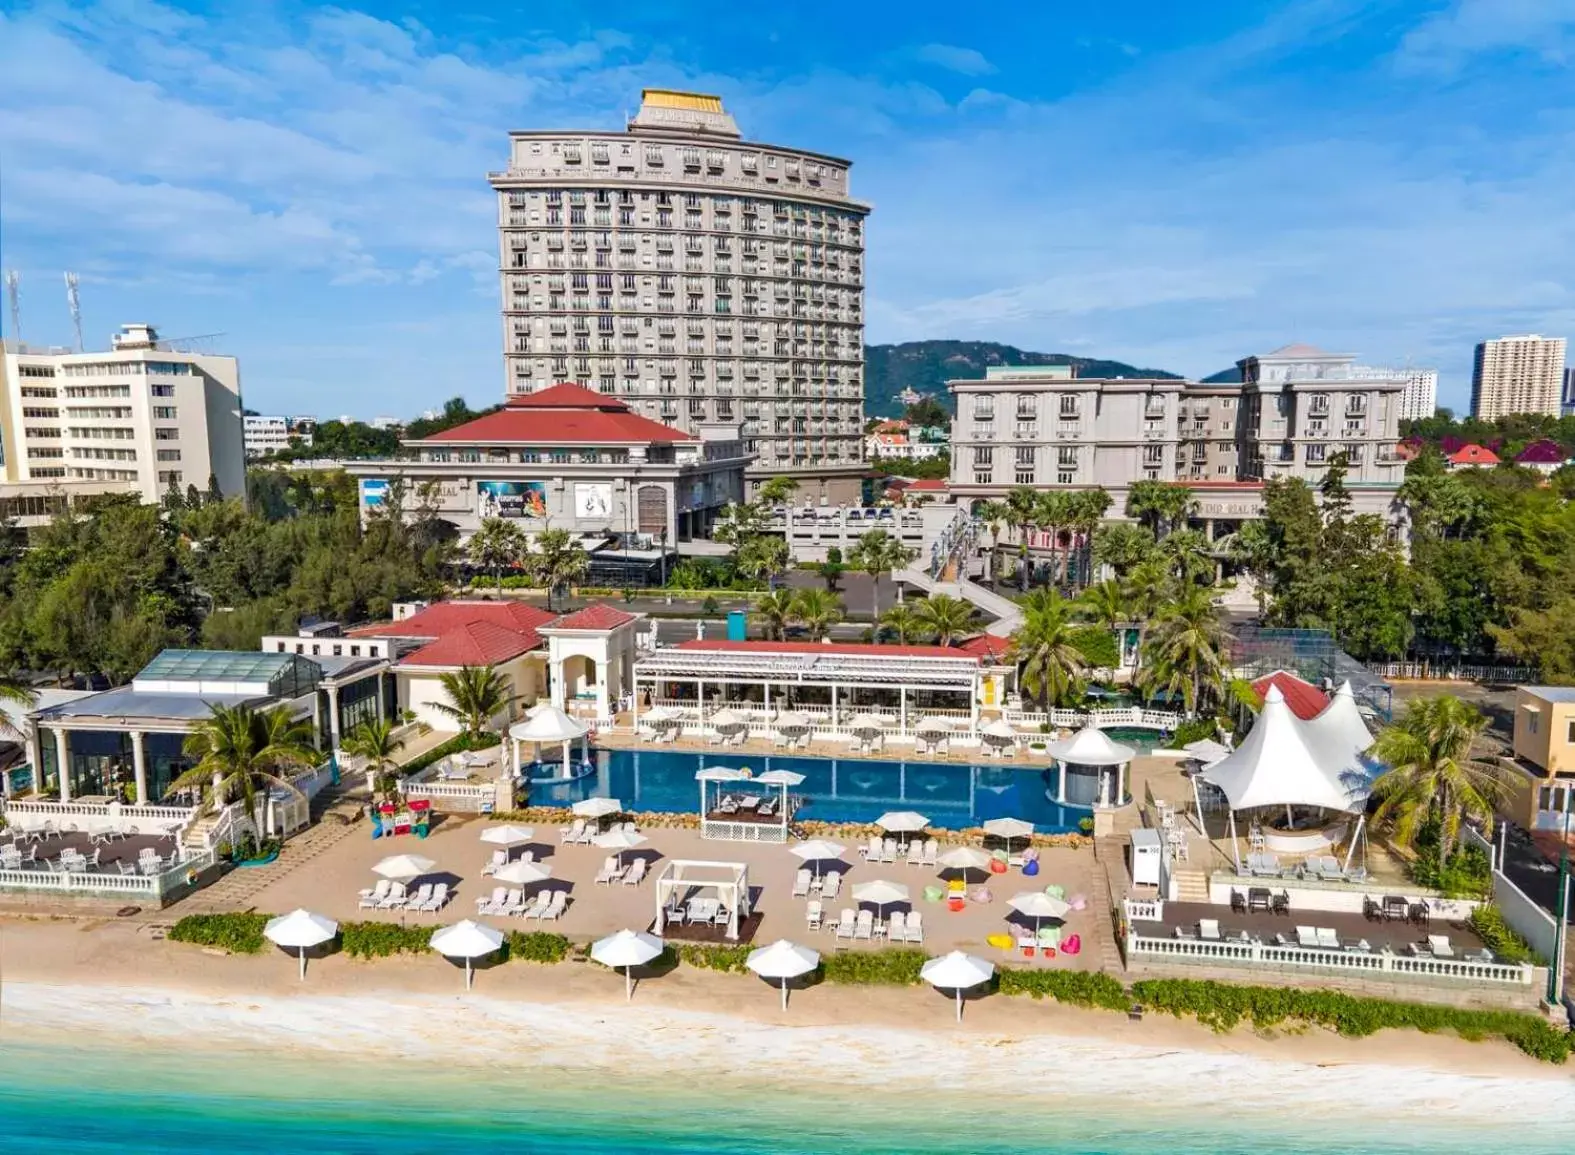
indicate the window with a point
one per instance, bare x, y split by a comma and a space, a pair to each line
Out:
166, 434
163, 390
1570, 736
164, 413
1532, 717
1068, 404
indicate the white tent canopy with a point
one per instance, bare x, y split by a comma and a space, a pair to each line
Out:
1340, 727
1286, 762
548, 725
1090, 746
1206, 751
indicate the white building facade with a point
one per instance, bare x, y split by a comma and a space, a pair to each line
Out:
1518, 375
133, 419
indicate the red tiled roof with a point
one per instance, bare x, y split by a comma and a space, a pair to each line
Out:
600, 616
847, 649
1473, 455
928, 484
985, 646
1543, 452
567, 414
474, 644
442, 617
1306, 700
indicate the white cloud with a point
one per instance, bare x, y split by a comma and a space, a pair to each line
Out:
967, 61
1469, 28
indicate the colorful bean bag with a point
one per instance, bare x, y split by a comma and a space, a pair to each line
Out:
1055, 891
981, 894
998, 866
1048, 936
1078, 902
1073, 944
1001, 942
933, 893
1031, 867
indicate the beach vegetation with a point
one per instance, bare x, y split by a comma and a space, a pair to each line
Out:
238, 933
878, 554
383, 939
1044, 649
945, 618
461, 741
476, 695
712, 956
373, 742
817, 611
536, 946
243, 750
894, 966
498, 544
1075, 988
558, 561
1507, 946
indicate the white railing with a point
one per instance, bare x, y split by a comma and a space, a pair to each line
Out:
312, 782
1072, 719
1143, 910
146, 886
92, 817
742, 831
453, 795
1256, 954
1445, 671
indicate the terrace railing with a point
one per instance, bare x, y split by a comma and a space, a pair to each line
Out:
1271, 956
1143, 910
148, 887
1072, 719
33, 813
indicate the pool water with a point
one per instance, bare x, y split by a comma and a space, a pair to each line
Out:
952, 795
1141, 739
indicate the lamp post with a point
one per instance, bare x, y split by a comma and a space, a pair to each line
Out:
1562, 901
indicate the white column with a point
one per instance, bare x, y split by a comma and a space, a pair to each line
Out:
634, 703
333, 717
139, 766
63, 764
700, 698
568, 747
514, 754
973, 710
833, 707
35, 755
902, 711
768, 699
1060, 786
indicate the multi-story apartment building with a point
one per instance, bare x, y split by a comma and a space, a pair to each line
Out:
1567, 409
1419, 398
265, 434
1292, 410
133, 419
695, 275
1517, 375
1301, 406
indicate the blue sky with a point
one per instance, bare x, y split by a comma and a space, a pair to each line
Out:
1174, 185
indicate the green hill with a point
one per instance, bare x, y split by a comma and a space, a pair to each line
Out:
928, 365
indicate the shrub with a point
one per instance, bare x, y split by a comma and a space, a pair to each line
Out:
382, 939
893, 966
703, 956
710, 605
463, 741
535, 946
1076, 988
1195, 730
1224, 1006
236, 933
1488, 921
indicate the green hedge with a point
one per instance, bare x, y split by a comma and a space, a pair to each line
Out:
1077, 988
236, 933
1488, 921
536, 946
382, 939
464, 741
1224, 1006
704, 956
893, 966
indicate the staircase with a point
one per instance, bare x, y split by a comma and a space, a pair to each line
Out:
1192, 884
237, 889
1007, 614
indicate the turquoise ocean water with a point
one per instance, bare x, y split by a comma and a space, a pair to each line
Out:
98, 1097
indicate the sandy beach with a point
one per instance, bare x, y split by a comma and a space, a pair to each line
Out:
114, 980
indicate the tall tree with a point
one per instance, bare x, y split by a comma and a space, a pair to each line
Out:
476, 695
245, 750
1185, 652
1044, 649
1023, 503
995, 516
878, 554
775, 611
498, 544
373, 742
903, 623
764, 558
1106, 602
559, 560
1122, 546
817, 611
1160, 505
1432, 775
945, 618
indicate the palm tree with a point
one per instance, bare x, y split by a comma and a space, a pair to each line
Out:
945, 618
13, 689
776, 612
476, 695
877, 553
1252, 548
1160, 505
902, 621
1148, 587
1122, 546
374, 743
994, 515
1053, 511
817, 611
1042, 648
1022, 503
1106, 603
1432, 775
497, 544
243, 748
560, 560
765, 558
1186, 653
1186, 552
1088, 509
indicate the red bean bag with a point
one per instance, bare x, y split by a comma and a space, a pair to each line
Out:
997, 866
1073, 944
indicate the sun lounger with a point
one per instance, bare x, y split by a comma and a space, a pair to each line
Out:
419, 900
801, 882
570, 834
559, 904
635, 874
915, 852
813, 913
896, 928
832, 884
846, 925
395, 898
1186, 935
870, 852
1209, 929
438, 899
491, 904
914, 931
1327, 938
499, 858
865, 927
932, 849
610, 871
528, 908
1306, 936
370, 899
888, 851
1439, 945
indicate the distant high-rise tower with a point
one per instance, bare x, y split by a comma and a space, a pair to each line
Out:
697, 276
1518, 375
1420, 398
1568, 407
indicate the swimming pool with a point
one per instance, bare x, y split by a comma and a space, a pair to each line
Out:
953, 795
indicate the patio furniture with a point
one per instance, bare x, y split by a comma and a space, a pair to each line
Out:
395, 898
915, 852
1238, 902
499, 857
491, 904
437, 900
1280, 903
1420, 913
419, 900
888, 852
1439, 945
831, 885
610, 871
865, 927
870, 852
636, 873
571, 834
1306, 936
801, 883
896, 929
1395, 908
915, 928
1209, 930
1327, 938
1480, 956
845, 925
813, 913
559, 904
1186, 935
1257, 899
932, 850
372, 897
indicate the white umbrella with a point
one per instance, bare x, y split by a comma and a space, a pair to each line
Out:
902, 821
964, 858
520, 873
627, 949
1008, 828
404, 867
658, 716
596, 807
817, 850
956, 972
508, 835
868, 722
791, 721
1036, 904
619, 840
934, 724
467, 940
300, 929
782, 960
780, 778
726, 719
998, 728
881, 893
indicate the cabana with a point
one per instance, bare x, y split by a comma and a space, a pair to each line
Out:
676, 904
1285, 763
1092, 770
760, 814
550, 724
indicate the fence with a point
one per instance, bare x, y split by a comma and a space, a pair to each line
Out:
93, 817
1382, 963
149, 887
1445, 672
314, 781
454, 795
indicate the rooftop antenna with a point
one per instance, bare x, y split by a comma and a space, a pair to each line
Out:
75, 302
13, 292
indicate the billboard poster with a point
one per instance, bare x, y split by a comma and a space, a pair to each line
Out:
511, 499
373, 490
593, 500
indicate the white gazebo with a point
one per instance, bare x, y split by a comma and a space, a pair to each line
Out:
681, 877
761, 814
1284, 764
1096, 766
549, 724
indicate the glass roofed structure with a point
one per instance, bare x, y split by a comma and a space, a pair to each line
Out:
229, 672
